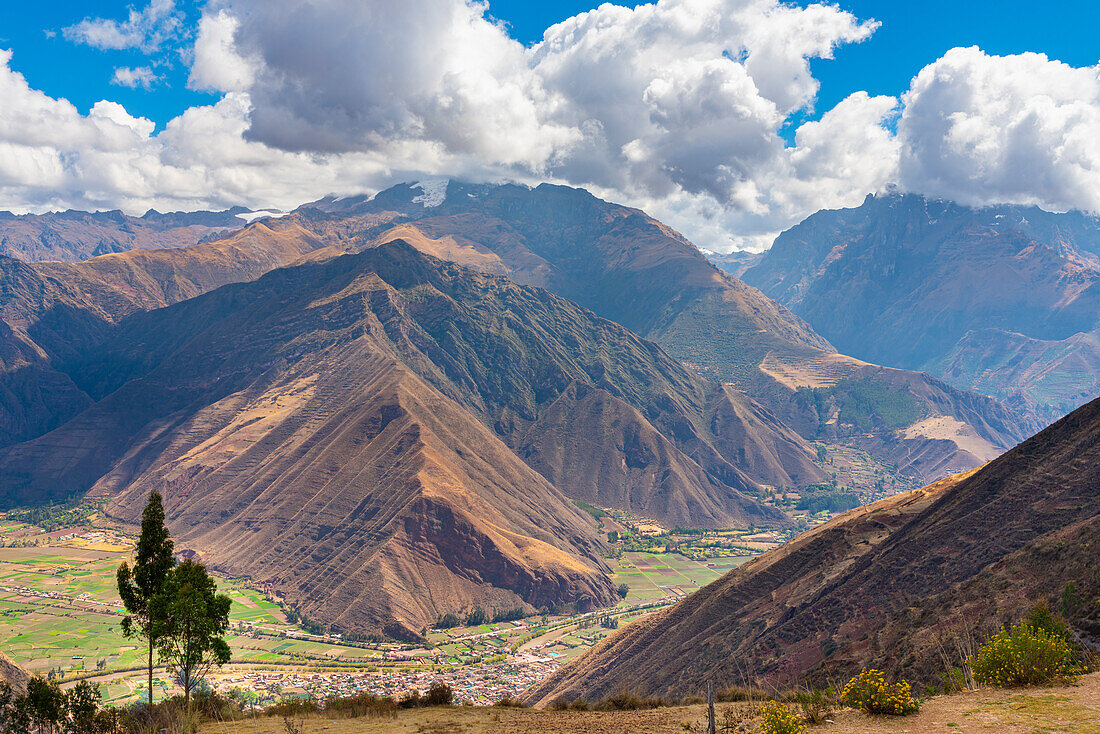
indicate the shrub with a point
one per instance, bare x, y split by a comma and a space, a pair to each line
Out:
775, 718
631, 702
439, 694
1024, 655
817, 705
869, 692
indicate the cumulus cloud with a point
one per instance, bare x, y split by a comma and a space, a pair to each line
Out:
146, 29
657, 103
675, 107
54, 157
217, 66
134, 77
983, 129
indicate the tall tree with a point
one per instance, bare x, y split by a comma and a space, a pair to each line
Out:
194, 617
138, 586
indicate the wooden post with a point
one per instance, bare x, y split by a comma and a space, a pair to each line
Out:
711, 729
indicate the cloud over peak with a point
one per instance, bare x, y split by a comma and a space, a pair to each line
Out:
674, 106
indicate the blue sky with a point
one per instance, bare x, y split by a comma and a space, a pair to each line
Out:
724, 118
913, 34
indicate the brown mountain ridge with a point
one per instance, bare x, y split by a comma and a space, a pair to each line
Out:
374, 385
881, 585
630, 268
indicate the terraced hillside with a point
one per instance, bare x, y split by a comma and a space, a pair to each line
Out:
884, 585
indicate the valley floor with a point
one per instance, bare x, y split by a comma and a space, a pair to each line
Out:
1072, 709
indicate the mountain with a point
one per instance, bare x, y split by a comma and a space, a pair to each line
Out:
1004, 300
71, 236
346, 431
883, 585
632, 269
52, 311
613, 259
735, 263
12, 674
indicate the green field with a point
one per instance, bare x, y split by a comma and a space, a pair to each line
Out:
647, 573
60, 612
77, 629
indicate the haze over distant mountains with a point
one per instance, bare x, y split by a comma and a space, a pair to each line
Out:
403, 392
1004, 300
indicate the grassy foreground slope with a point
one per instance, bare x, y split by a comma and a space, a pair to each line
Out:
1072, 710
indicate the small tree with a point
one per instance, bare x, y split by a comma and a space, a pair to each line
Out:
45, 704
15, 714
138, 586
85, 714
194, 616
623, 590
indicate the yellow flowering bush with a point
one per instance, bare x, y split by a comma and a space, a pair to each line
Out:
870, 692
1025, 655
778, 719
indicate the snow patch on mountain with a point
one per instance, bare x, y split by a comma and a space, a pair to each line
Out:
435, 192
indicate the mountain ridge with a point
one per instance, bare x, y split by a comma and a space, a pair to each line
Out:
967, 294
881, 585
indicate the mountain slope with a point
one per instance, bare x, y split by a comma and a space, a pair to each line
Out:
363, 388
71, 236
880, 585
632, 269
507, 383
1004, 300
50, 312
12, 674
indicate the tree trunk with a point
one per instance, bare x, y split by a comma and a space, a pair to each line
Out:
150, 671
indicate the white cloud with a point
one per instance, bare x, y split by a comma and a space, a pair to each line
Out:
217, 66
53, 157
134, 77
674, 107
145, 29
983, 129
660, 103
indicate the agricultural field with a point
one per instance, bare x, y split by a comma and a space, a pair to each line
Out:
60, 615
656, 576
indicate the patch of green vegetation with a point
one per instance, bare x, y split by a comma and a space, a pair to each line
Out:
832, 500
56, 515
595, 512
867, 404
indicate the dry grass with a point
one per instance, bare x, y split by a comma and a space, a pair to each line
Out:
1071, 709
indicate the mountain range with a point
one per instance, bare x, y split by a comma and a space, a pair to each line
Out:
630, 268
891, 585
72, 236
1003, 300
376, 401
381, 407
